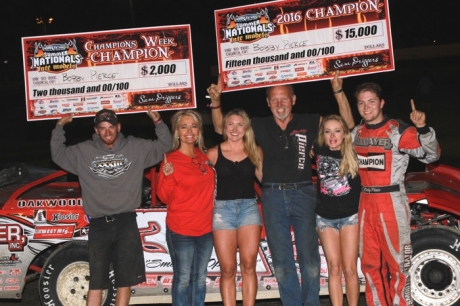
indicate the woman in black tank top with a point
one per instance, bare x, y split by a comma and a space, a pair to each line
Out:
236, 218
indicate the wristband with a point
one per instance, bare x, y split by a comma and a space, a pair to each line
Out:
423, 130
337, 91
214, 107
157, 121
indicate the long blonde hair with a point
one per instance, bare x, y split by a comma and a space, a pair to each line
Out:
249, 141
349, 163
175, 119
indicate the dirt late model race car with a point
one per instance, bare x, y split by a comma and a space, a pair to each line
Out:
44, 232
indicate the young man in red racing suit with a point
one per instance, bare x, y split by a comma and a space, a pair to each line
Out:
383, 146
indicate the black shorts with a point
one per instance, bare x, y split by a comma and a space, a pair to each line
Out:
118, 243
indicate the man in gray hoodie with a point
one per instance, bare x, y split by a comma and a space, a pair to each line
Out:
110, 169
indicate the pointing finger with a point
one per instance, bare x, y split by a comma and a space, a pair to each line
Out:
219, 81
165, 159
412, 105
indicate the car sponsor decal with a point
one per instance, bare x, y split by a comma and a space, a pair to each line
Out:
64, 217
152, 229
151, 280
11, 281
49, 203
11, 260
166, 281
15, 272
13, 236
54, 232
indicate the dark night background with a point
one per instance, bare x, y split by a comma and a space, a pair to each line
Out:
415, 25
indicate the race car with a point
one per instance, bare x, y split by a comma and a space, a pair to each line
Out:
44, 231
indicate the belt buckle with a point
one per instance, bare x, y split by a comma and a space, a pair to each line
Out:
281, 186
109, 219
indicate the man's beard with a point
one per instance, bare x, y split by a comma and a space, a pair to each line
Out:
281, 117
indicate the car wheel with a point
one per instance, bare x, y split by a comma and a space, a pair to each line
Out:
435, 270
64, 279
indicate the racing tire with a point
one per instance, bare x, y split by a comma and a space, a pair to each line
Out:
435, 269
64, 280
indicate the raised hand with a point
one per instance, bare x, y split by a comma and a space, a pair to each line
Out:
168, 168
65, 120
214, 91
417, 117
336, 82
155, 116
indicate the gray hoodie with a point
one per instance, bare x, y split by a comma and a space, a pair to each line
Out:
110, 179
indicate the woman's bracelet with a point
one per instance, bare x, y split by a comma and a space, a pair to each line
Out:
337, 91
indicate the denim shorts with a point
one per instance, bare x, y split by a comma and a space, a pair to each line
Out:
337, 224
231, 214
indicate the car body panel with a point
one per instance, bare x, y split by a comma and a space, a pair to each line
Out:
39, 215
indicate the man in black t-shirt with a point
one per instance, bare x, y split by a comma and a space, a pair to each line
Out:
288, 198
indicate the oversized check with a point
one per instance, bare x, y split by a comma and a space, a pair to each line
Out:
123, 70
294, 41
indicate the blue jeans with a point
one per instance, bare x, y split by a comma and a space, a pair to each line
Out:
281, 210
190, 258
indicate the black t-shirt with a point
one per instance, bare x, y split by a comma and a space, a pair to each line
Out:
286, 158
337, 197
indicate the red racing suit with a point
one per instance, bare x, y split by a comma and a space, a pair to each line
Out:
384, 216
